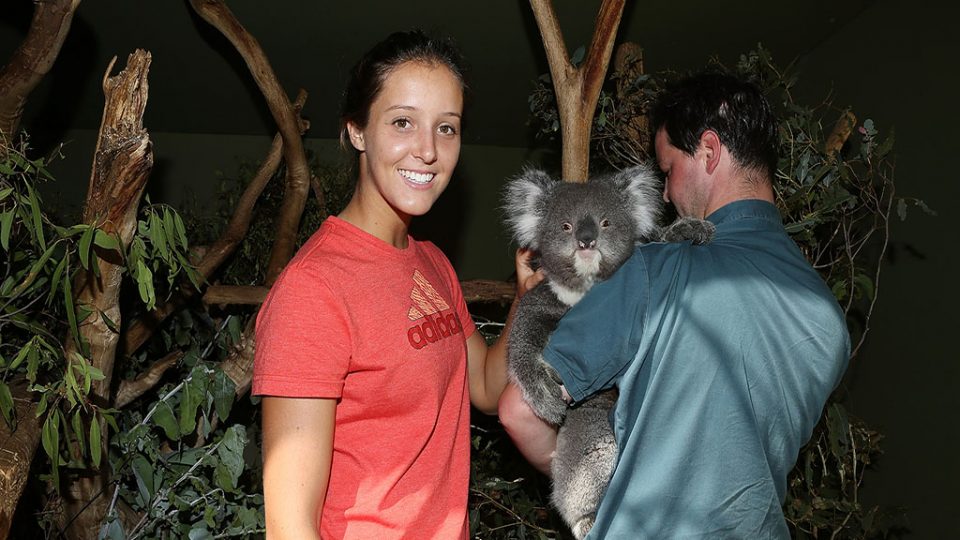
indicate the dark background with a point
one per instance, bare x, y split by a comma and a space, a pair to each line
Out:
890, 60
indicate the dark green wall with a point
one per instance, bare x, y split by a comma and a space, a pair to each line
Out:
897, 63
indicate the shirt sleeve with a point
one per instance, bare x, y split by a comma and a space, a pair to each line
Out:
600, 336
303, 345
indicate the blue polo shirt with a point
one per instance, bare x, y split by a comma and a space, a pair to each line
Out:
724, 355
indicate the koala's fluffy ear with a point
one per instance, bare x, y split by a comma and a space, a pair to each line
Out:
644, 198
525, 203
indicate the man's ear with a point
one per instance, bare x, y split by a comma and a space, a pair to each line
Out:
711, 146
356, 137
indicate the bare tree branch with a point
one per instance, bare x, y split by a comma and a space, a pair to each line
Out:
220, 17
32, 60
577, 89
132, 389
234, 294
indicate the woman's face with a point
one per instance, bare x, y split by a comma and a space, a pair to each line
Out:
411, 142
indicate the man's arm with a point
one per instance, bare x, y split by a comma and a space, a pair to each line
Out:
535, 438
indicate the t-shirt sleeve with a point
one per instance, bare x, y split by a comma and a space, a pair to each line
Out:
599, 337
303, 344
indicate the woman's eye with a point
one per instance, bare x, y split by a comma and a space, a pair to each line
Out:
402, 123
447, 129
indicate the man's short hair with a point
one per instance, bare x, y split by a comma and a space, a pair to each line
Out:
734, 108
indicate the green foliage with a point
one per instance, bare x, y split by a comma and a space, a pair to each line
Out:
836, 197
187, 488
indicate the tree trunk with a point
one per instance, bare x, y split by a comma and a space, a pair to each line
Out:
122, 164
577, 88
31, 61
17, 447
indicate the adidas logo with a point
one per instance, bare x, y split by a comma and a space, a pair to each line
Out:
428, 306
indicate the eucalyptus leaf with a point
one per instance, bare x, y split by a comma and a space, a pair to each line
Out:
224, 393
37, 218
106, 240
96, 443
165, 418
84, 247
6, 223
144, 474
76, 422
6, 403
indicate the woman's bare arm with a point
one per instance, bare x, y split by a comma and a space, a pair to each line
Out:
297, 451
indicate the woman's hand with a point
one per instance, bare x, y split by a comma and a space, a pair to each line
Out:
527, 276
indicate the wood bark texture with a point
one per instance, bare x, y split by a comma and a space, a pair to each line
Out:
17, 447
121, 167
577, 88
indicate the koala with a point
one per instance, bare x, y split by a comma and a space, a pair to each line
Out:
583, 233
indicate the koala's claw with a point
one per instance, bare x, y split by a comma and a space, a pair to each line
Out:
542, 393
552, 408
583, 526
697, 231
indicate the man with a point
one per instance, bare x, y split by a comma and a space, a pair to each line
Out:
724, 354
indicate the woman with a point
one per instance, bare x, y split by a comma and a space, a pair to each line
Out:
364, 345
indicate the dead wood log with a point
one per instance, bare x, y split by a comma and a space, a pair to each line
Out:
234, 295
17, 447
121, 166
220, 17
841, 132
577, 88
480, 290
32, 60
131, 390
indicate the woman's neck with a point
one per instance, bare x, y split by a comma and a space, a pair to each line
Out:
379, 220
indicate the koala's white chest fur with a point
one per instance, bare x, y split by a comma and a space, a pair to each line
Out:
565, 295
587, 263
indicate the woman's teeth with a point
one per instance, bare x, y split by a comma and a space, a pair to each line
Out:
417, 178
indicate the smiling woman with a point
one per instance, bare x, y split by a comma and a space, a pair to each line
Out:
366, 356
408, 149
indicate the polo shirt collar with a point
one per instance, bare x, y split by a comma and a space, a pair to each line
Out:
746, 209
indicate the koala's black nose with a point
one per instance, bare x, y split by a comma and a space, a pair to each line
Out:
587, 233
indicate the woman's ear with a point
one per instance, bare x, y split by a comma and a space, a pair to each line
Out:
356, 137
711, 146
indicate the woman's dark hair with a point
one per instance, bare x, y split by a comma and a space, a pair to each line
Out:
734, 108
367, 75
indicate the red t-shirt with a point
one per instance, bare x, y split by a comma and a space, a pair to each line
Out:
383, 330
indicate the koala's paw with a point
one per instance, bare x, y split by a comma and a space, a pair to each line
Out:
541, 390
697, 231
583, 526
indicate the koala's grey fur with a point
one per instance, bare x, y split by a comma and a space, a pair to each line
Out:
583, 232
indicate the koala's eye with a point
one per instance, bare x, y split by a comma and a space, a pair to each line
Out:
604, 223
567, 227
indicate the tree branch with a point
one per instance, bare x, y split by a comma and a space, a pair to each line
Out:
220, 17
32, 60
577, 89
132, 389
